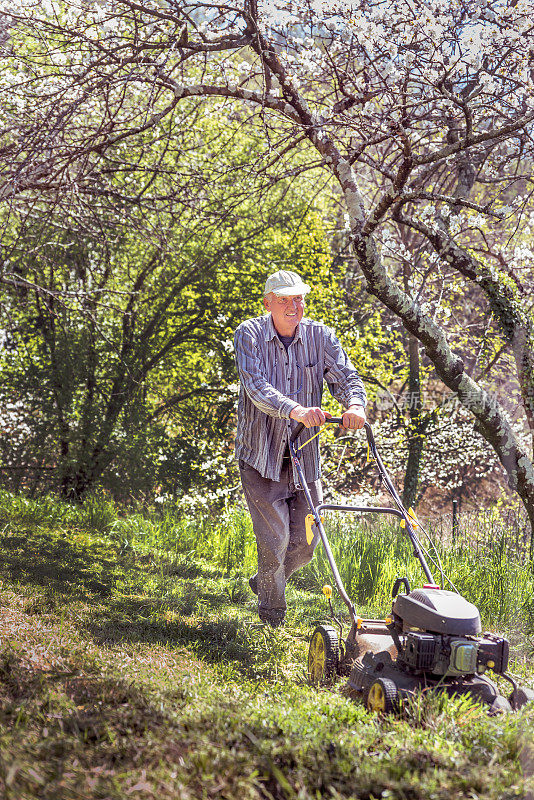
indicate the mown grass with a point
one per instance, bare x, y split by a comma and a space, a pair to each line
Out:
132, 664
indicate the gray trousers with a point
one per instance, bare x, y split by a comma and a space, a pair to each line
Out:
278, 512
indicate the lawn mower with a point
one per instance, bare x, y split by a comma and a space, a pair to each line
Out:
432, 638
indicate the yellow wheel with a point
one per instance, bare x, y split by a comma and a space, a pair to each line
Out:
323, 655
382, 696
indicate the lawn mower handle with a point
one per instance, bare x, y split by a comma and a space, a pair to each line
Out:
300, 427
383, 476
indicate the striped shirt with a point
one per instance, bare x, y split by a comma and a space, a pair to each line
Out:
274, 382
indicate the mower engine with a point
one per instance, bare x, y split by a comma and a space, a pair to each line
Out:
441, 635
435, 642
450, 655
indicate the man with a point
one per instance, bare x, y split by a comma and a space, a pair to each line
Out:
282, 359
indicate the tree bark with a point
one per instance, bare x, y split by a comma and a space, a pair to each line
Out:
416, 426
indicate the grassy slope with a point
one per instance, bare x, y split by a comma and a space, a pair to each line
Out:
142, 672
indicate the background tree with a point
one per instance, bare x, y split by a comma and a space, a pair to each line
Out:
421, 113
120, 312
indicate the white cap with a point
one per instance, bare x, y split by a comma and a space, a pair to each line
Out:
285, 283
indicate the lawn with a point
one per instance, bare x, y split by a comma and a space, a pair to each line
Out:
132, 664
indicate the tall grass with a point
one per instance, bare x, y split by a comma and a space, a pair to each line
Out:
371, 556
226, 540
97, 514
487, 558
484, 562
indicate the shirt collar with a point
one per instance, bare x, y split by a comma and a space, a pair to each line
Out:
271, 331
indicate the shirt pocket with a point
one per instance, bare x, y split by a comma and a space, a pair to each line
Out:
313, 383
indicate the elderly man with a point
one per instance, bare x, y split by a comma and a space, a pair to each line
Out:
282, 359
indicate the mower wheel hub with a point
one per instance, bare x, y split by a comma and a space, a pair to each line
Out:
382, 696
323, 655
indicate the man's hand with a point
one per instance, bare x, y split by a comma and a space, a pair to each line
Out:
354, 418
310, 416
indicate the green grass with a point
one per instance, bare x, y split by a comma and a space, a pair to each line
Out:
487, 564
132, 664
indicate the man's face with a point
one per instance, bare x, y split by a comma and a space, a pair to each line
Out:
286, 311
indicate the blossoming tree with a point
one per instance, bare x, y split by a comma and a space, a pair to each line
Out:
421, 112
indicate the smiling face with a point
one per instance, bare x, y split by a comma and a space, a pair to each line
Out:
286, 311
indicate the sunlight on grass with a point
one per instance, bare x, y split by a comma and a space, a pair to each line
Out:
132, 663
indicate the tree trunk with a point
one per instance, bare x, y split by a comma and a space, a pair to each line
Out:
492, 422
78, 481
414, 431
416, 426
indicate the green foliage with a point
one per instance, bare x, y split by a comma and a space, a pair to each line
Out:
118, 367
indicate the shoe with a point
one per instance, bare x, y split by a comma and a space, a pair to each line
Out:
253, 583
272, 616
274, 623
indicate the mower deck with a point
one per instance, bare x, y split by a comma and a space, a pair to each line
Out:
383, 684
368, 657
